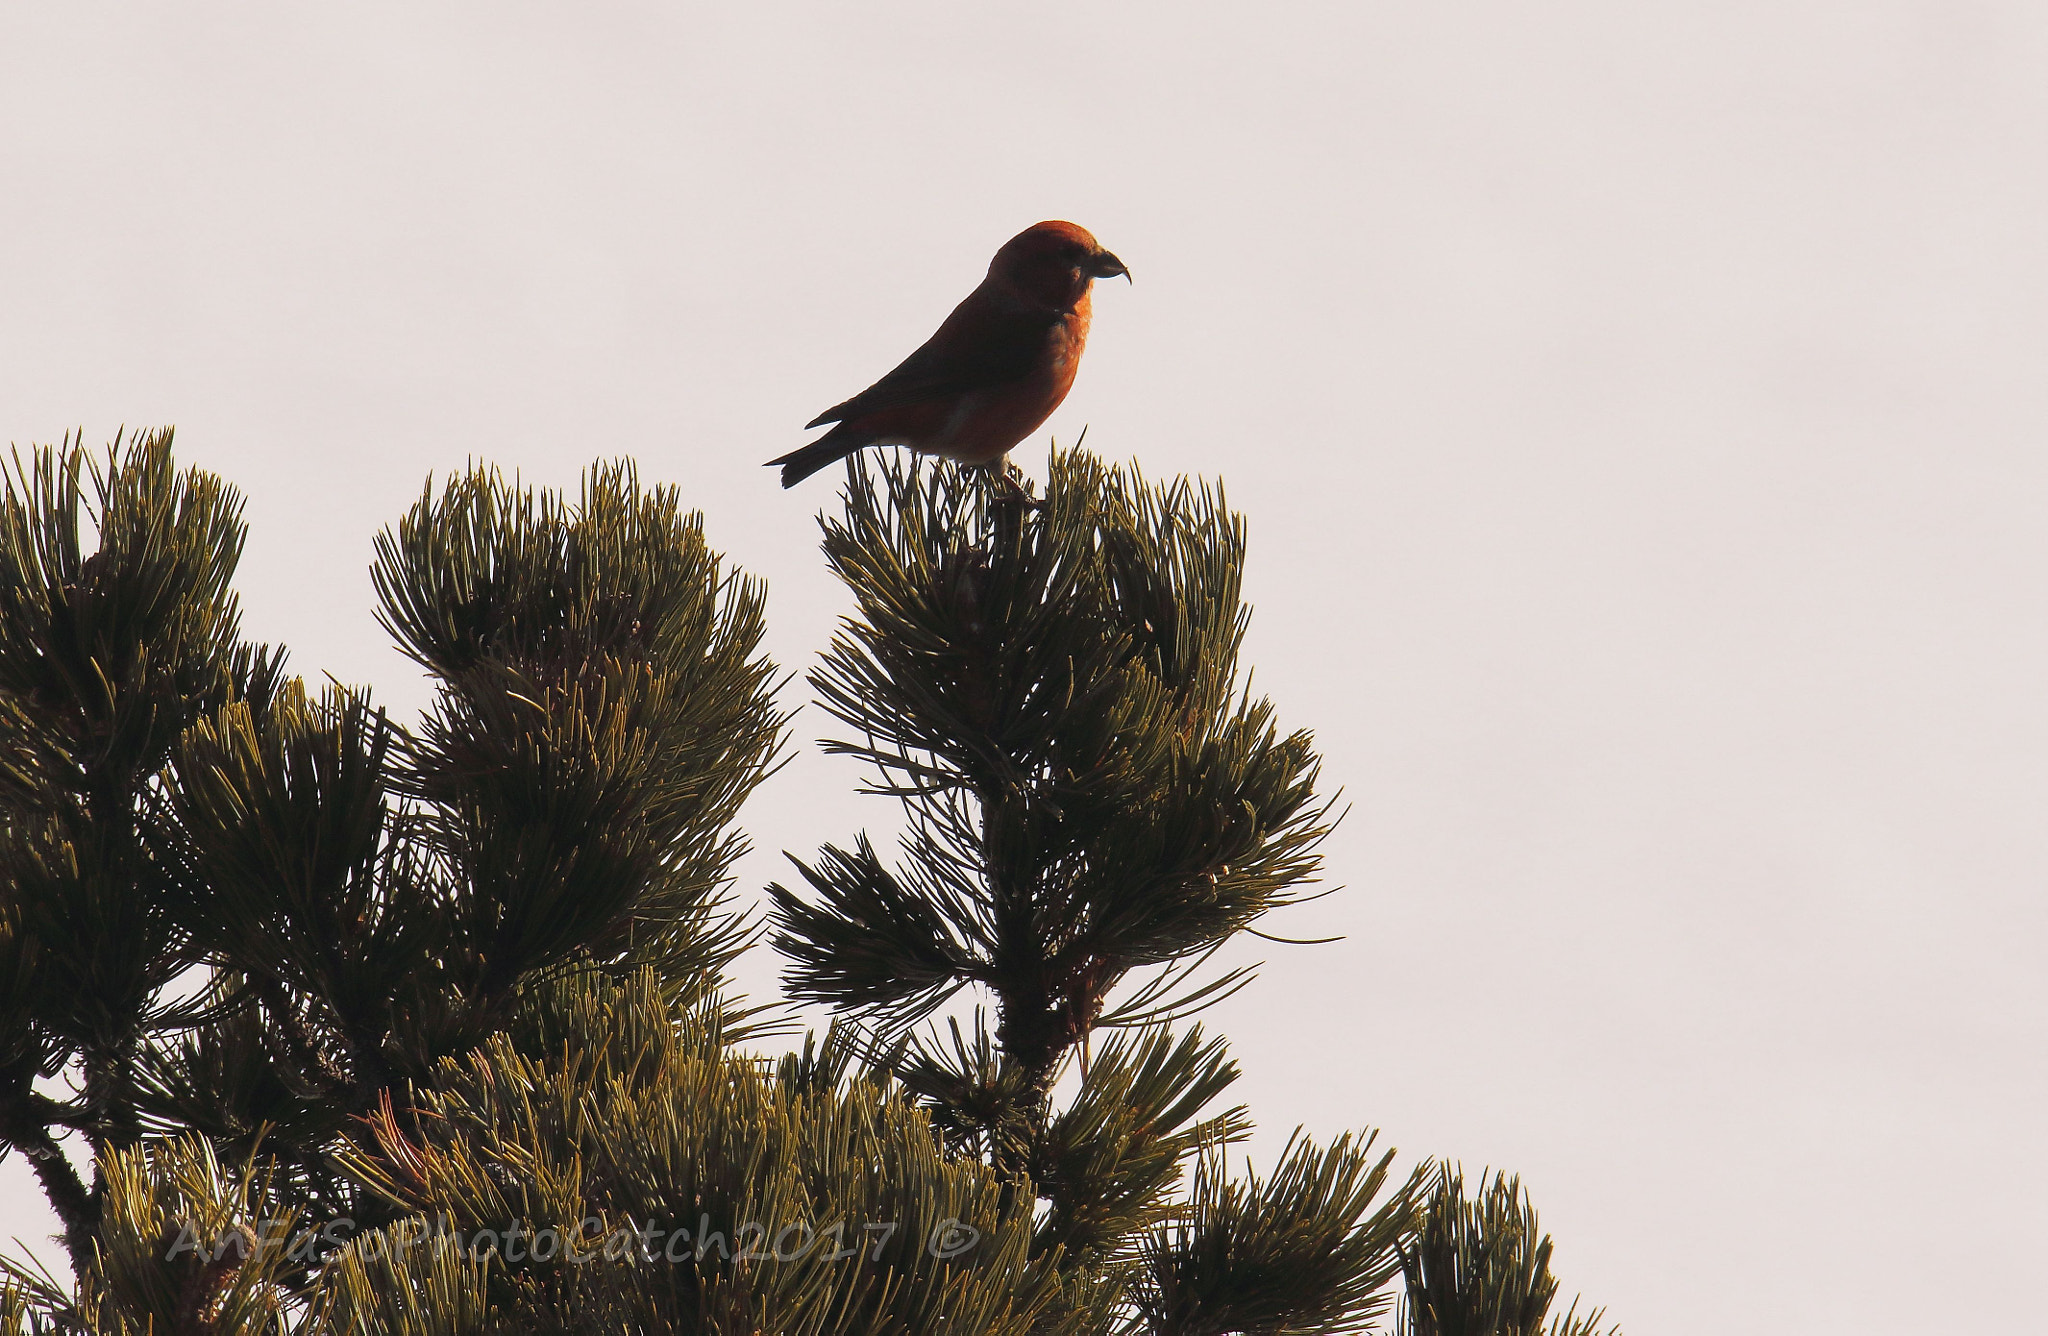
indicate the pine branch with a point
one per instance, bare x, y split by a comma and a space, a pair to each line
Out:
1307, 1251
1480, 1265
603, 712
1055, 696
317, 1069
25, 1121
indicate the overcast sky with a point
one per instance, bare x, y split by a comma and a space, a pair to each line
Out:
1638, 411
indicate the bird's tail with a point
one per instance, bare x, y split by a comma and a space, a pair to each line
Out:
830, 448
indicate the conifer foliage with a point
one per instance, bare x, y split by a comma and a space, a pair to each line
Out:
364, 1026
1479, 1265
1054, 693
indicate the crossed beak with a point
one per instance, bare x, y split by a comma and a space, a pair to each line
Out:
1104, 265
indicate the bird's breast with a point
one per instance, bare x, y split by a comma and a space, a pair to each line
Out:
987, 423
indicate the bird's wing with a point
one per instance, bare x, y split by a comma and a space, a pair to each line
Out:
975, 348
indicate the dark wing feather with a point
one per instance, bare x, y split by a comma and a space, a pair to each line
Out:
966, 354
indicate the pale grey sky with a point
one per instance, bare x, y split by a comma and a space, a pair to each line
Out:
1639, 411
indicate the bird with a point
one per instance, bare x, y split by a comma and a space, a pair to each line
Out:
997, 368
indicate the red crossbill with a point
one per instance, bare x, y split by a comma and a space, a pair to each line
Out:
996, 369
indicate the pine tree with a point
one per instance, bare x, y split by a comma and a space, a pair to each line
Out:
107, 658
1053, 692
377, 1028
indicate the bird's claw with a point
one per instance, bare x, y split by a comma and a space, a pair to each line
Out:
1010, 487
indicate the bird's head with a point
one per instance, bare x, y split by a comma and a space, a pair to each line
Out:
1051, 264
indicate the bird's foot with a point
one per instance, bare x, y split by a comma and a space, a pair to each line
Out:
1010, 486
